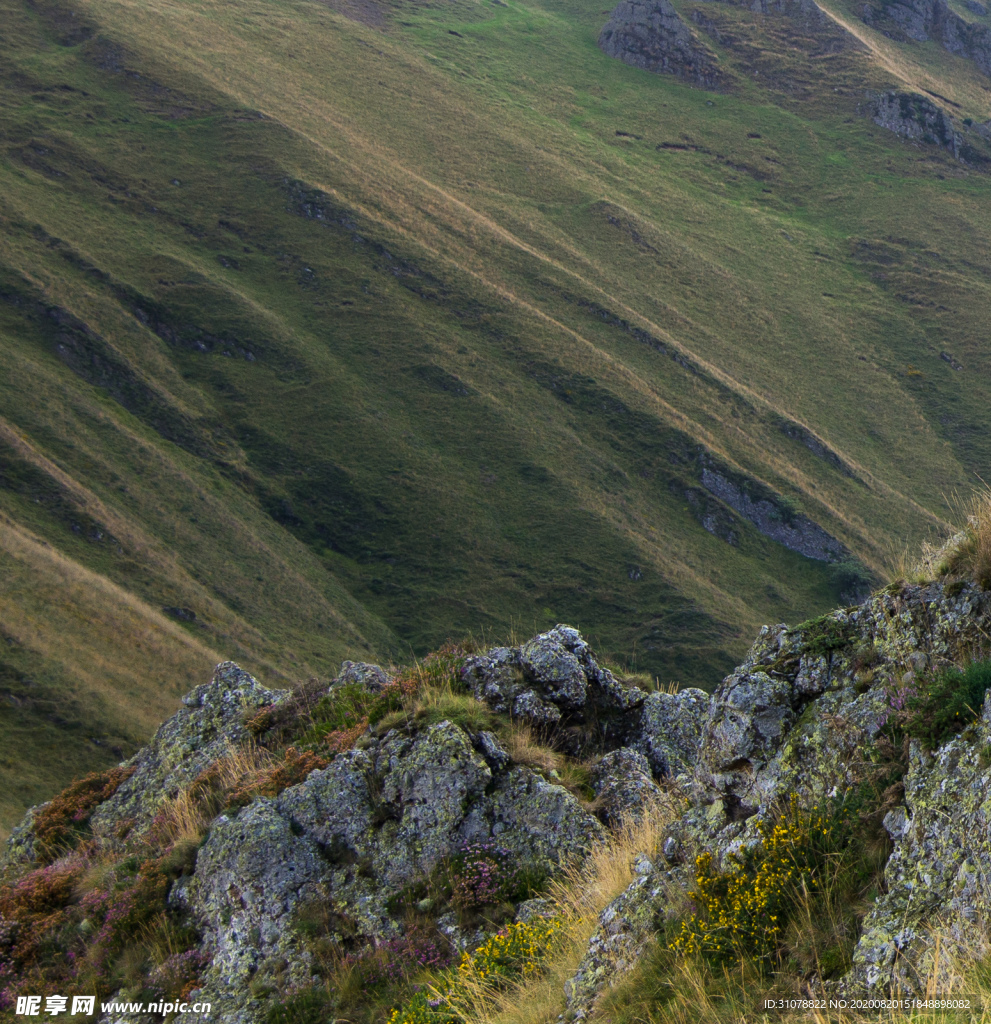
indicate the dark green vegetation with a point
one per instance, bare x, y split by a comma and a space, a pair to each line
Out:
947, 703
329, 335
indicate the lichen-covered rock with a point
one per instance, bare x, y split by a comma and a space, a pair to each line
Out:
623, 785
433, 779
533, 818
938, 871
669, 732
625, 928
18, 851
551, 663
251, 875
210, 722
551, 681
361, 673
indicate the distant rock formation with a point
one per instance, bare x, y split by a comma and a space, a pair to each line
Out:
914, 117
922, 20
649, 34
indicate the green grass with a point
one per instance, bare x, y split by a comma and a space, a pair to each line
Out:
453, 418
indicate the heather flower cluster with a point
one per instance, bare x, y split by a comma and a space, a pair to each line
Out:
61, 822
179, 975
55, 938
400, 958
482, 875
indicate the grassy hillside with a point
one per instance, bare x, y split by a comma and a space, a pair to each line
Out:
331, 334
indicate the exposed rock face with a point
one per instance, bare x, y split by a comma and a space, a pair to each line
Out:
914, 117
372, 677
922, 20
794, 718
649, 34
624, 785
210, 723
352, 835
250, 876
797, 719
624, 929
758, 504
670, 730
938, 870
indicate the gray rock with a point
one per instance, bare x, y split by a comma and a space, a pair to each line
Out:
492, 750
917, 118
550, 662
495, 677
251, 875
623, 785
649, 34
537, 909
209, 724
551, 680
923, 20
361, 673
669, 732
624, 930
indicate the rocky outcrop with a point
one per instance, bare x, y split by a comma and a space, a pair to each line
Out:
624, 930
649, 34
937, 873
553, 681
762, 507
923, 20
800, 722
917, 118
801, 717
624, 786
211, 722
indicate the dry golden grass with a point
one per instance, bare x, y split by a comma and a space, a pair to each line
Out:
186, 817
580, 895
968, 554
524, 746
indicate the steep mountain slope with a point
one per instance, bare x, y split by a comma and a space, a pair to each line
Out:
335, 332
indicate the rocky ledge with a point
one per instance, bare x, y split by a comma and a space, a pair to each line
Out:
351, 829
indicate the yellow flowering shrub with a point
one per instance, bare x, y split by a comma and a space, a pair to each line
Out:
516, 950
741, 912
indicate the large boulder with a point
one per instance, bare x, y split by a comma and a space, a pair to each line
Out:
251, 875
624, 787
553, 680
649, 34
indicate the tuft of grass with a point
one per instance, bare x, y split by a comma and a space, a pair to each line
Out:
947, 703
969, 553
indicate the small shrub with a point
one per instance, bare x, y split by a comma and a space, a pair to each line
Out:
950, 701
741, 913
482, 875
485, 875
272, 779
60, 825
517, 951
824, 635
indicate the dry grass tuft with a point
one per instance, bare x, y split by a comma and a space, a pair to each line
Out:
186, 817
525, 747
968, 554
580, 894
